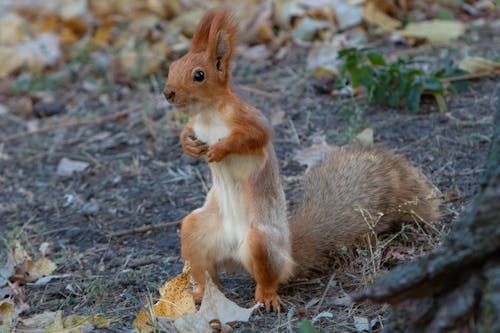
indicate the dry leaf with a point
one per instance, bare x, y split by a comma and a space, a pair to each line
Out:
434, 30
6, 315
314, 154
287, 11
374, 15
13, 29
365, 136
214, 307
322, 60
175, 301
42, 267
478, 64
102, 36
55, 322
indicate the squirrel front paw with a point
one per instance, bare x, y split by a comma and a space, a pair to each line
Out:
192, 146
268, 297
216, 153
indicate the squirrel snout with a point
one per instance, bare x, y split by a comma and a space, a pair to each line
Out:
169, 95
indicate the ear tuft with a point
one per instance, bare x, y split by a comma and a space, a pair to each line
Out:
200, 36
216, 26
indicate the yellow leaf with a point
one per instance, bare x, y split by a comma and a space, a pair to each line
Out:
67, 37
57, 324
10, 61
434, 30
46, 24
13, 29
42, 267
40, 320
102, 36
142, 322
374, 15
6, 315
365, 136
175, 301
478, 64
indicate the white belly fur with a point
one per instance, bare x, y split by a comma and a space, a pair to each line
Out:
209, 127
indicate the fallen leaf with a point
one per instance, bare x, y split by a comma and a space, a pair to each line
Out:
372, 14
6, 315
365, 136
314, 154
175, 301
307, 28
434, 30
322, 60
287, 11
67, 167
347, 15
52, 321
478, 64
215, 307
42, 267
13, 29
102, 36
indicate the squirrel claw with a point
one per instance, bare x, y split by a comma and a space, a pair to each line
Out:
194, 147
215, 154
271, 300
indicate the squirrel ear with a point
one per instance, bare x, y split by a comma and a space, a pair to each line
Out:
222, 41
222, 51
202, 32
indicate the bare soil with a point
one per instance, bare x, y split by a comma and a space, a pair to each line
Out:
138, 176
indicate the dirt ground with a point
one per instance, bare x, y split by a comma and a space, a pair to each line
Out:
138, 176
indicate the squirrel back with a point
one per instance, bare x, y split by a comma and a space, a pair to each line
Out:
354, 191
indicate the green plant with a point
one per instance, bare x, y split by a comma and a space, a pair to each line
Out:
395, 84
307, 327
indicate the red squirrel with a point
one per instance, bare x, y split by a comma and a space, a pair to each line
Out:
244, 217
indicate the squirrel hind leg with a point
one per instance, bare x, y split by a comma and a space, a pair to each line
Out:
195, 250
266, 267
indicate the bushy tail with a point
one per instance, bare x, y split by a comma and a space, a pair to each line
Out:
354, 191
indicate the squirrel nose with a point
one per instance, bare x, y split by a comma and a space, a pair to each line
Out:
169, 95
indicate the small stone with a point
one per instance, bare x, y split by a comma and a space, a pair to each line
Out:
67, 167
90, 208
42, 110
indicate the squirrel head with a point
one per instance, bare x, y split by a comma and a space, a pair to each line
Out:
201, 77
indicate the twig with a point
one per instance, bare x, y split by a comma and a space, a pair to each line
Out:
257, 91
330, 281
470, 76
113, 116
144, 228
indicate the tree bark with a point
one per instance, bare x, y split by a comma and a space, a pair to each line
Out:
457, 287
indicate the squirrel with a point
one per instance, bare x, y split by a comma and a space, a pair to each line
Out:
244, 217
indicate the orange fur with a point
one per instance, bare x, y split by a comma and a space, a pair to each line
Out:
243, 219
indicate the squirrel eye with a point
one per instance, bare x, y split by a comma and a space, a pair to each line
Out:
199, 76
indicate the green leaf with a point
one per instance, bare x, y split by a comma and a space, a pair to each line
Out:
413, 99
433, 85
376, 59
378, 94
307, 327
441, 102
394, 99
